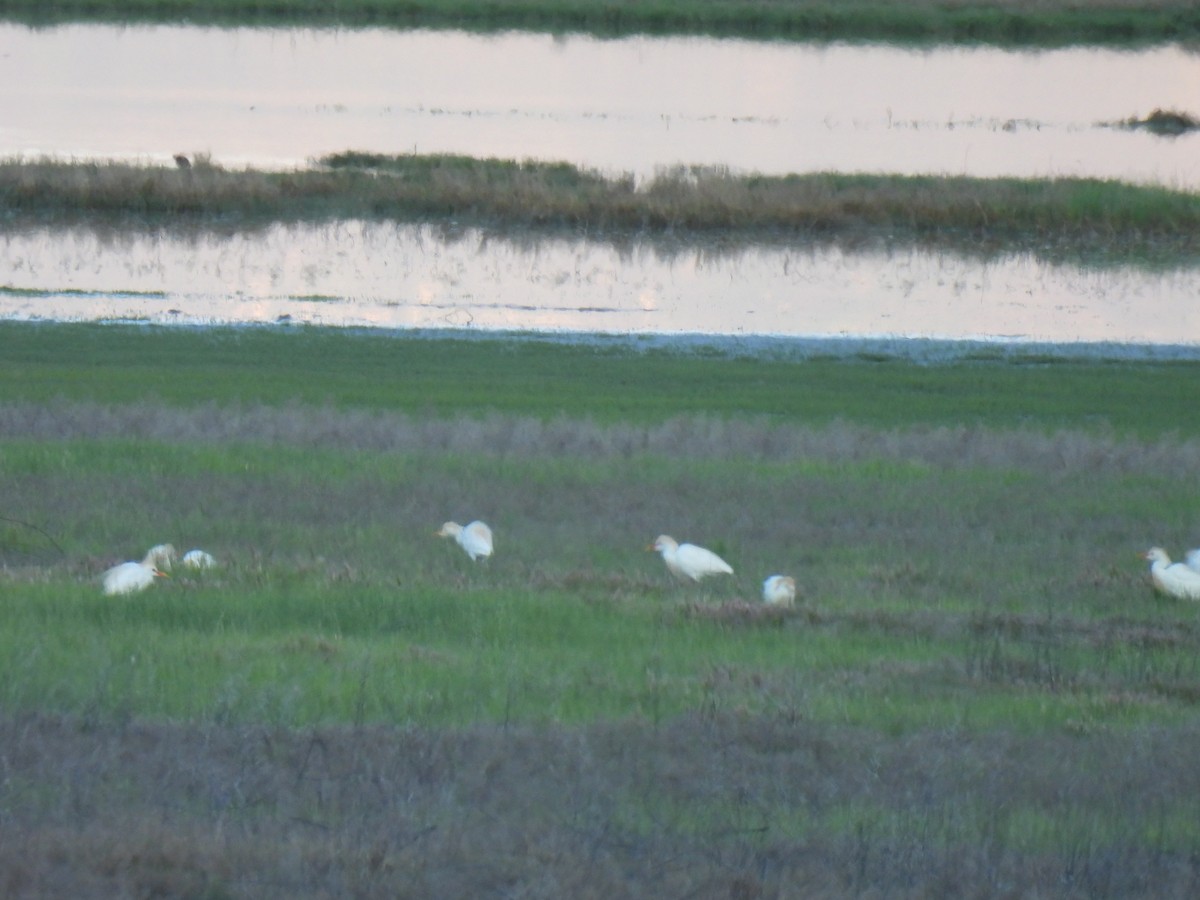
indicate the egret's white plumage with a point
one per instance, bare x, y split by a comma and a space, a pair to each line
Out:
131, 577
1174, 579
475, 537
161, 556
688, 560
198, 559
779, 590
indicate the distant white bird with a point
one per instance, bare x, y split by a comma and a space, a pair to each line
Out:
198, 559
779, 590
131, 577
161, 555
1174, 579
688, 560
475, 537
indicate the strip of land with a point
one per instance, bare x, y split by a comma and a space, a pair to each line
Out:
1036, 23
1069, 217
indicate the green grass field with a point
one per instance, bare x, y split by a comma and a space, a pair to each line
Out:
977, 691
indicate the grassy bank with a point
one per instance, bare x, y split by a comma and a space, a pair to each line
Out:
1006, 22
1083, 218
976, 694
606, 382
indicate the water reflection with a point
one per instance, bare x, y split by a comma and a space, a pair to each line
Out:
356, 273
280, 97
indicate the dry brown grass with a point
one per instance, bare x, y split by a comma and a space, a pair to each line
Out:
695, 438
700, 807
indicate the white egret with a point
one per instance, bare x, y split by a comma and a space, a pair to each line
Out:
131, 577
475, 537
779, 590
198, 559
1174, 579
688, 560
161, 555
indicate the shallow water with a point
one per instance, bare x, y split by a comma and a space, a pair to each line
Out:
384, 275
277, 98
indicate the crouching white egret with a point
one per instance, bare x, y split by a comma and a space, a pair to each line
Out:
198, 559
688, 560
475, 538
779, 590
1173, 579
131, 577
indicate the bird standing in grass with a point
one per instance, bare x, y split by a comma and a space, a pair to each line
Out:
161, 555
475, 538
198, 559
688, 560
1174, 579
131, 577
779, 590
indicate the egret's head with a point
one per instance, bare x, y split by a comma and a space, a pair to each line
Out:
1156, 554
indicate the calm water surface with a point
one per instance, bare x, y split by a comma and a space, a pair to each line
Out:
278, 98
281, 97
356, 273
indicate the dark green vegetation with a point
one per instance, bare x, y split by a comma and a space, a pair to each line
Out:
603, 381
1006, 22
1081, 218
1165, 122
977, 694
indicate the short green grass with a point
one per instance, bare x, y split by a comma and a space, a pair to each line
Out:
604, 381
942, 584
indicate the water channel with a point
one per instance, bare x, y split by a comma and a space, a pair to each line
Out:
279, 98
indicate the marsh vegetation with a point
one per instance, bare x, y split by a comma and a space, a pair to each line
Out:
1063, 217
976, 693
1006, 22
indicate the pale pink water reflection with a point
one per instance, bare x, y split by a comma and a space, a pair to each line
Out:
277, 98
355, 273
